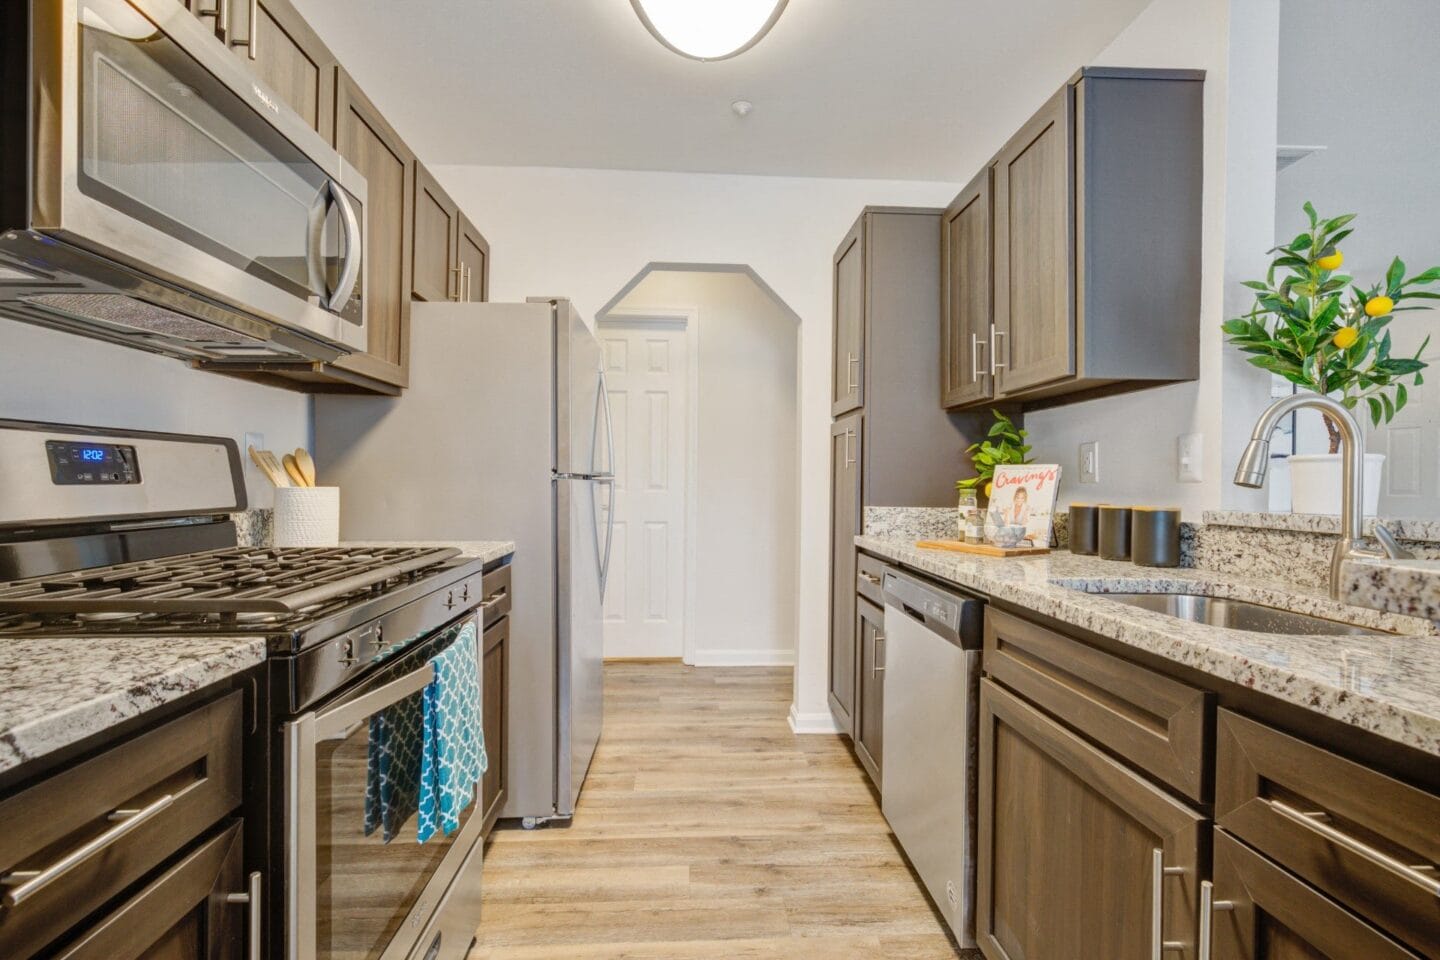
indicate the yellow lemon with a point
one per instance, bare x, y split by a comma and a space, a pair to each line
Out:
1331, 261
1345, 337
989, 489
1378, 306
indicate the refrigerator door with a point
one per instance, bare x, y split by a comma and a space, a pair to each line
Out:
579, 399
580, 655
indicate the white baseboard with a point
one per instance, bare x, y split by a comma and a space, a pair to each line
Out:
822, 722
743, 658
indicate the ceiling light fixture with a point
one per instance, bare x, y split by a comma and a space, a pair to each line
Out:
709, 29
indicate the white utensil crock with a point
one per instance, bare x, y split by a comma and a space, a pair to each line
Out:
307, 516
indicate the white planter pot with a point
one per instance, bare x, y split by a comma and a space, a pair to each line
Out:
1315, 483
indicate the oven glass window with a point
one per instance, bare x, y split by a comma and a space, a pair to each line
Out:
371, 869
165, 142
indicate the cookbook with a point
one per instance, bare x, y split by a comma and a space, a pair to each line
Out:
1023, 495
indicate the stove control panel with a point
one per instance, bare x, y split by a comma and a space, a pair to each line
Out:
92, 463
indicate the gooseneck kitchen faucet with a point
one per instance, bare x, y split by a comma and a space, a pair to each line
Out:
1255, 462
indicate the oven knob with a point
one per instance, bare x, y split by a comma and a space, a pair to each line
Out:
465, 595
347, 653
450, 600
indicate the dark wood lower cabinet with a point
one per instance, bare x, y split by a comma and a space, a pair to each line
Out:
870, 711
1267, 913
1067, 865
495, 707
182, 915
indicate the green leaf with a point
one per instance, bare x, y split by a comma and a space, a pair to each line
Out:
1402, 396
1255, 285
1309, 209
1337, 222
1375, 410
1389, 407
1395, 276
1428, 276
1302, 242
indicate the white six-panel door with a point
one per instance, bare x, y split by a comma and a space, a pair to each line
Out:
646, 365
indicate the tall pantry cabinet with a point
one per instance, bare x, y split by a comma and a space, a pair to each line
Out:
891, 443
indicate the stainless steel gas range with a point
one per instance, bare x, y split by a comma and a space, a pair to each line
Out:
127, 533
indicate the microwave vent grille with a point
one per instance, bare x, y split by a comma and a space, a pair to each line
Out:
137, 315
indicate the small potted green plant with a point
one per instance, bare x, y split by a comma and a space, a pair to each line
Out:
1005, 443
1314, 326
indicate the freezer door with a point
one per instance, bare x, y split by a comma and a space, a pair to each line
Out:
580, 406
580, 653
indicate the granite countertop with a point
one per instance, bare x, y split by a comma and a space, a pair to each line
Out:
1404, 528
55, 692
1388, 685
482, 550
1410, 587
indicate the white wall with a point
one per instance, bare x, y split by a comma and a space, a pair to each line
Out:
747, 537
47, 375
1375, 121
1138, 432
586, 233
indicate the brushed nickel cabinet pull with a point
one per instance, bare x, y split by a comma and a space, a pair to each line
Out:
1209, 906
849, 439
996, 364
976, 346
852, 381
876, 667
251, 43
251, 897
1159, 946
24, 884
1412, 873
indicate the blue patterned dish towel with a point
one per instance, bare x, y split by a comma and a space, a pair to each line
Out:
427, 753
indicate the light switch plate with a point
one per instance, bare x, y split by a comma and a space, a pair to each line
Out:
1090, 461
256, 440
1190, 457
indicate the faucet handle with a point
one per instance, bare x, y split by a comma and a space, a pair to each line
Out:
1390, 545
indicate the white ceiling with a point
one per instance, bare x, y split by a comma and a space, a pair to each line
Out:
900, 89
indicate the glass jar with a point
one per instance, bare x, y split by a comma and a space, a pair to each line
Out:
971, 522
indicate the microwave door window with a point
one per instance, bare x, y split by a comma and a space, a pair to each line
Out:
165, 143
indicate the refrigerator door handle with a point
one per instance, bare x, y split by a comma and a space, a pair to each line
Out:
603, 404
609, 533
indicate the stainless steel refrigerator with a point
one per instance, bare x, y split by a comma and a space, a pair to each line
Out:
503, 434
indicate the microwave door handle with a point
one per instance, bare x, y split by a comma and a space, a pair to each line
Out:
315, 243
350, 272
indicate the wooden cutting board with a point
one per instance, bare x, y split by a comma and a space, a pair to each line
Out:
983, 549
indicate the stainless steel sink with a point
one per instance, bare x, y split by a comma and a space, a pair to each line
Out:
1238, 614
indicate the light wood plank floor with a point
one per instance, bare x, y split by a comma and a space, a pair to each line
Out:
708, 830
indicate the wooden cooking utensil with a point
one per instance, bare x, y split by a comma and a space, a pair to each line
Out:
293, 468
306, 463
269, 466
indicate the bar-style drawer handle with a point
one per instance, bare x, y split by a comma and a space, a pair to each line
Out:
1209, 906
254, 903
491, 600
1159, 946
870, 578
24, 884
1416, 875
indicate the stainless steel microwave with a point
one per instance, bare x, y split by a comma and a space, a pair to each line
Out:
153, 193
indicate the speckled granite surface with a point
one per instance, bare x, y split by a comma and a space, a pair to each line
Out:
482, 550
1389, 685
55, 692
912, 523
1296, 556
1410, 587
253, 527
1422, 530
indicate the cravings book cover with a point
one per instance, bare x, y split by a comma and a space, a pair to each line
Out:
1024, 495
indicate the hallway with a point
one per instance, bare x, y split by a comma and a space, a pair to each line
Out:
708, 830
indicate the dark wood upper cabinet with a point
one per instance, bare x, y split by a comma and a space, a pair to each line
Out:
287, 56
437, 272
846, 455
1096, 245
967, 294
1271, 915
474, 260
870, 684
848, 370
1068, 844
363, 137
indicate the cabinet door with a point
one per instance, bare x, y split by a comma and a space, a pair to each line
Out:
474, 253
967, 288
181, 915
209, 13
436, 272
845, 506
870, 711
364, 138
1073, 847
287, 56
1266, 913
495, 708
848, 376
1035, 250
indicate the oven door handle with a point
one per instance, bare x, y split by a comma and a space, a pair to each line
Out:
337, 722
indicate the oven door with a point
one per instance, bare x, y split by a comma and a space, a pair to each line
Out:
158, 150
351, 894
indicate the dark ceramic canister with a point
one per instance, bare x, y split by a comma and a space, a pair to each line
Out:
1084, 529
1115, 533
1155, 536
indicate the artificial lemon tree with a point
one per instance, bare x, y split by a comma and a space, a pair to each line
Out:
1318, 329
1005, 443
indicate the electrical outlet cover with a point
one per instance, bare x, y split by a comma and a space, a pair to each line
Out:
1190, 457
1090, 462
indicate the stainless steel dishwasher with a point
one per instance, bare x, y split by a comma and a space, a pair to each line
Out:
932, 688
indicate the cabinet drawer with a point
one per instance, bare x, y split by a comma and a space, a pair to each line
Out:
102, 824
1369, 841
869, 571
1158, 724
496, 586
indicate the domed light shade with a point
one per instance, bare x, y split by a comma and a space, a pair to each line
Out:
709, 29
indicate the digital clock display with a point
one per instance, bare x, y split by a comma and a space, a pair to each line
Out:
91, 463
